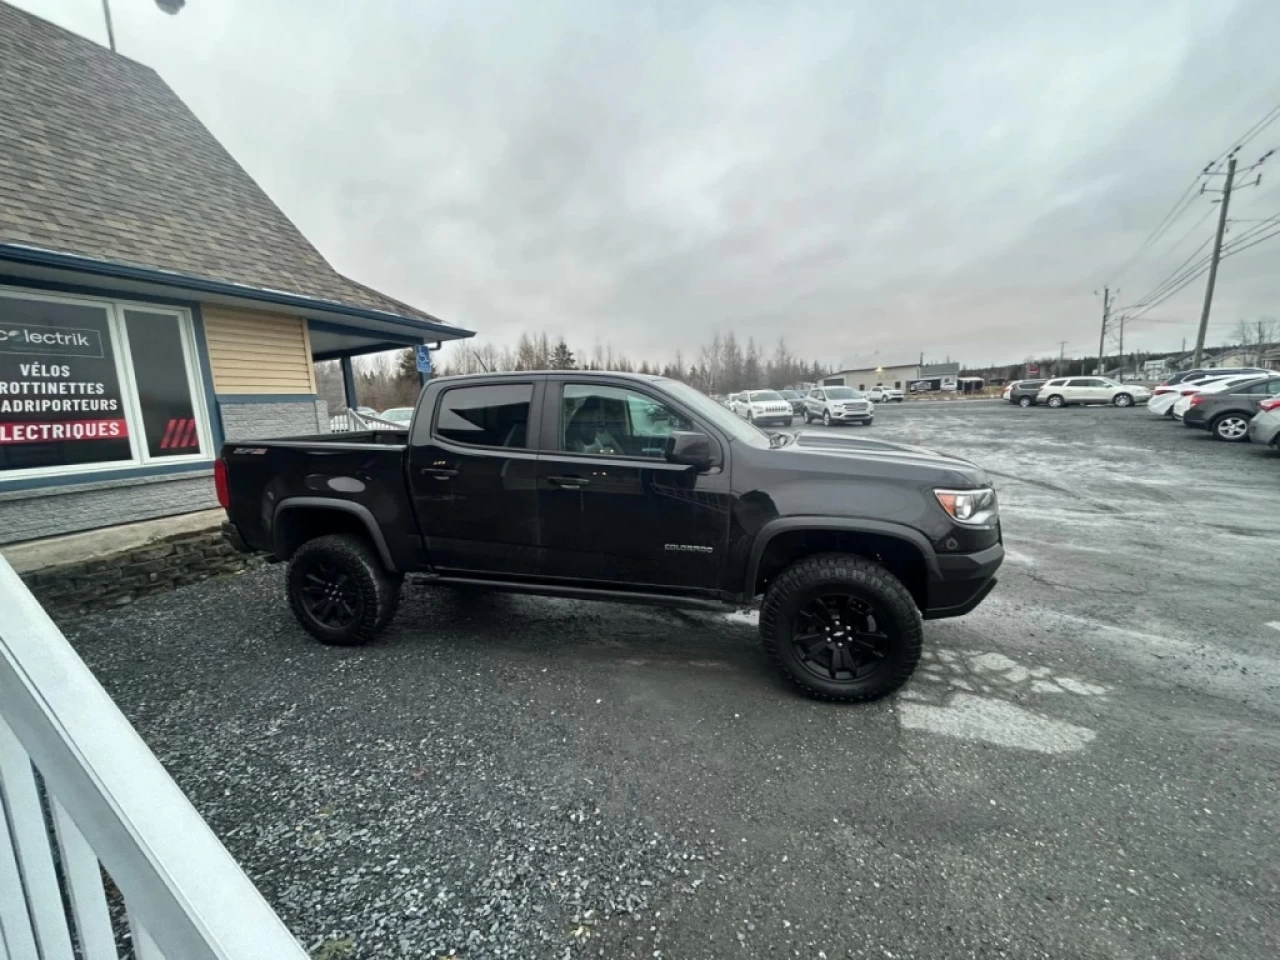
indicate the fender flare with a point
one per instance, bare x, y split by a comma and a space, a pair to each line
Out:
882, 528
358, 510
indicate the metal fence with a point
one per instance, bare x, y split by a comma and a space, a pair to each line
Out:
348, 421
82, 799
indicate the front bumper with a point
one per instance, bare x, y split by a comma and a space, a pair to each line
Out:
962, 582
852, 415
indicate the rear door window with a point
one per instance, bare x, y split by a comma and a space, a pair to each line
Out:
486, 415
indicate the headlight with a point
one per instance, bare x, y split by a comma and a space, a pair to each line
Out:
973, 508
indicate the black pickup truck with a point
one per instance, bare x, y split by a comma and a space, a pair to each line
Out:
628, 488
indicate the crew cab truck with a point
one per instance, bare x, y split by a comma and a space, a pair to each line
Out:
630, 488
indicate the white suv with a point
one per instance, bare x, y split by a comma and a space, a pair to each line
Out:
1068, 390
879, 394
762, 407
837, 405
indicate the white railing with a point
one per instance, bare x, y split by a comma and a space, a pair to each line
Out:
80, 794
348, 421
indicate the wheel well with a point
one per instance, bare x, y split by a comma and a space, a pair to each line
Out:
297, 525
901, 558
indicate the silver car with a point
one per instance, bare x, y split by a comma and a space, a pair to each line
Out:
1264, 428
837, 405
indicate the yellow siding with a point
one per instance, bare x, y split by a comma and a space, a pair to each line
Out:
258, 352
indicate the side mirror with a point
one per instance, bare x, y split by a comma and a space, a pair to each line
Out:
692, 449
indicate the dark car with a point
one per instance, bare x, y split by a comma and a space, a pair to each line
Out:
796, 401
1226, 413
568, 484
1023, 392
1199, 372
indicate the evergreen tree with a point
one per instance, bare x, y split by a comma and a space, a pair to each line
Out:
562, 357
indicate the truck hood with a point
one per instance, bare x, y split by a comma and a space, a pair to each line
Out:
867, 450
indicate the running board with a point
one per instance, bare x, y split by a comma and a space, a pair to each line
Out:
578, 593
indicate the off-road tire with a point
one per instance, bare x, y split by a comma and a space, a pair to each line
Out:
1217, 427
1122, 400
863, 579
377, 591
1056, 402
1025, 401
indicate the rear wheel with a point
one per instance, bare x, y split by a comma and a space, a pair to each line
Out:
1231, 427
841, 628
1122, 400
339, 590
1025, 401
1056, 401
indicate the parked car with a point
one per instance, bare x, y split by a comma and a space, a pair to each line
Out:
1183, 403
765, 408
1200, 373
1264, 428
878, 394
1023, 392
397, 414
834, 405
561, 484
1226, 412
795, 399
1064, 391
1166, 395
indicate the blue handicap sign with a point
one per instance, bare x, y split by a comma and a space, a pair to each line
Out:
423, 356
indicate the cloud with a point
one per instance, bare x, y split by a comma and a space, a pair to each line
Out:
862, 178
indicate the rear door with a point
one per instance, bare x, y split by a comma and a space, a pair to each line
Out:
472, 473
613, 511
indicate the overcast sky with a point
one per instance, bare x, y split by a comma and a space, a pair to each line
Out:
871, 180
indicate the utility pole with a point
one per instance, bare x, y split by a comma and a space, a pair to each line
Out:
1213, 264
1106, 317
111, 34
1121, 319
1062, 353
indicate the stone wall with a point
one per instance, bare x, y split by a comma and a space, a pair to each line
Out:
73, 589
52, 511
267, 421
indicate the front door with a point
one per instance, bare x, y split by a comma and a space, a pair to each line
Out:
472, 473
612, 509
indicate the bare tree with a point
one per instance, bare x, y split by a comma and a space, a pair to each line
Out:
1256, 339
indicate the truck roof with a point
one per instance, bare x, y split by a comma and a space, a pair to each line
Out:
517, 374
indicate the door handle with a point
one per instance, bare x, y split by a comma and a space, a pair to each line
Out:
569, 482
439, 473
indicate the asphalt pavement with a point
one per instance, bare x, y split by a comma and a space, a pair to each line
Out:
1088, 766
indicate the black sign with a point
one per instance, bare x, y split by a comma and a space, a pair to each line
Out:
60, 400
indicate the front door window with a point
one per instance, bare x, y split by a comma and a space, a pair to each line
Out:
614, 421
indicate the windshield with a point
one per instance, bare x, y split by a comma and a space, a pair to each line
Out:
764, 396
842, 393
398, 414
706, 408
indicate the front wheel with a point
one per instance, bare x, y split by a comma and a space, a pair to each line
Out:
1025, 401
841, 627
1231, 427
1056, 401
340, 592
1122, 400
826, 418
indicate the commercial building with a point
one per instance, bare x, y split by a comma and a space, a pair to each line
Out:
154, 302
899, 376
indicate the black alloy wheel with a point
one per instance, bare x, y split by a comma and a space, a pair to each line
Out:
329, 595
840, 637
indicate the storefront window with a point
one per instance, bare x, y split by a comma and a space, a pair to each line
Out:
87, 384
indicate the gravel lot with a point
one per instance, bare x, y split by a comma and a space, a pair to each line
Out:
1087, 766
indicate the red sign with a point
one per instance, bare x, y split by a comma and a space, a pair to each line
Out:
59, 430
1032, 368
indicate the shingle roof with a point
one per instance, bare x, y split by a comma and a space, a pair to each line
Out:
98, 157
